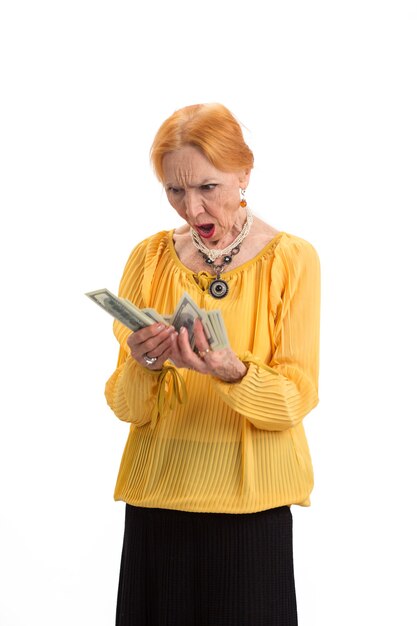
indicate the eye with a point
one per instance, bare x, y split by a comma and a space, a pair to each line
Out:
208, 187
174, 190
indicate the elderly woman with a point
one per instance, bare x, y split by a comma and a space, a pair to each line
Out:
216, 452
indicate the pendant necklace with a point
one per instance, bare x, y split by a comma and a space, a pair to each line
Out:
218, 287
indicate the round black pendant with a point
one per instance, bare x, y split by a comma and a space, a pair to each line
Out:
219, 288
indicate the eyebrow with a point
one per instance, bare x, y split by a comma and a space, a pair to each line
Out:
205, 181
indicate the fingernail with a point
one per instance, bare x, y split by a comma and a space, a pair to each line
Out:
183, 330
160, 326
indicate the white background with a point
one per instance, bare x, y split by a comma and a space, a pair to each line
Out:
327, 93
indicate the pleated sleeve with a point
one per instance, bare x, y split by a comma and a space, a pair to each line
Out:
277, 395
131, 391
134, 393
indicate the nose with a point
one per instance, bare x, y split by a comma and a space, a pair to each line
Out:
192, 203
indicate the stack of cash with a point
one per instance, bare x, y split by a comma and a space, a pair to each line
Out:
185, 314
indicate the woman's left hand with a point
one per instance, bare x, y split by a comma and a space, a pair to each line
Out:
222, 364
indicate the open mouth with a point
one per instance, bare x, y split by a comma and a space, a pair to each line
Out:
205, 230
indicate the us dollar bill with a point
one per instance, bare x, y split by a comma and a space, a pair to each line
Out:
222, 332
116, 307
155, 316
146, 315
185, 315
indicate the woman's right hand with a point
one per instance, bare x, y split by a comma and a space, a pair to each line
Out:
153, 341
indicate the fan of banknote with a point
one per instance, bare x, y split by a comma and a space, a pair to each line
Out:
185, 314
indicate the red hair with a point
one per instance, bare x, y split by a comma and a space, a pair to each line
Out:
209, 127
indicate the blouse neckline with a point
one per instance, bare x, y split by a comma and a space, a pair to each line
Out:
271, 244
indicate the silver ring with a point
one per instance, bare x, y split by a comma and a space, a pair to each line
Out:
150, 360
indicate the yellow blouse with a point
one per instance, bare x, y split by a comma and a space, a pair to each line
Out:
197, 443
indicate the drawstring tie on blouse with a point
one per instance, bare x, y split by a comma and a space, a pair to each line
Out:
171, 390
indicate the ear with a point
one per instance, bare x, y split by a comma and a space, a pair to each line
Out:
244, 178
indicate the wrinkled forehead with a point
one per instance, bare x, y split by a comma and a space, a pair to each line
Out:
187, 166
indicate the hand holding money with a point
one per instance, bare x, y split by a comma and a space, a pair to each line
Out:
191, 337
222, 364
152, 346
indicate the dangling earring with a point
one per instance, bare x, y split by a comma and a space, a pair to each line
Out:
243, 202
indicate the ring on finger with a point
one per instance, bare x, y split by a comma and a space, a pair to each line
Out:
149, 360
203, 353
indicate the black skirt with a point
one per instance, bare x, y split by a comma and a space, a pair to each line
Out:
207, 569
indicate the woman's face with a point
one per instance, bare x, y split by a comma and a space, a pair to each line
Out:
207, 198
